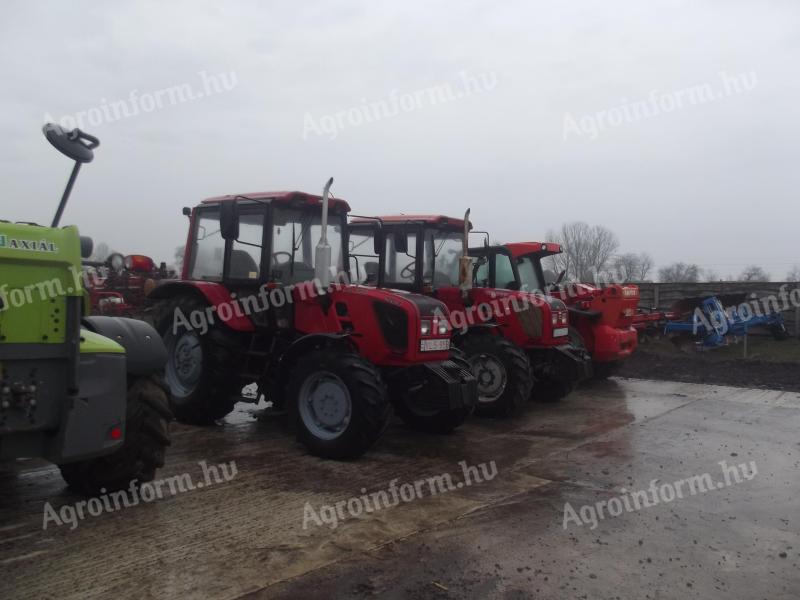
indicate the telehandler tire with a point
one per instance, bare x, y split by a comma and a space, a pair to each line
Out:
146, 432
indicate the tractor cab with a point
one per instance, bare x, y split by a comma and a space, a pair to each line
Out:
263, 238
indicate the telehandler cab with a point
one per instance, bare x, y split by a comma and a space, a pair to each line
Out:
83, 393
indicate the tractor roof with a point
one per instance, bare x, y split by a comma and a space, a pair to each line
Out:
541, 249
282, 198
415, 219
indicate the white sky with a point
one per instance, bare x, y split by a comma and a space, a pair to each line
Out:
713, 183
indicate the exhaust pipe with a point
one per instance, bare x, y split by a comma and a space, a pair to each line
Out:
465, 262
322, 253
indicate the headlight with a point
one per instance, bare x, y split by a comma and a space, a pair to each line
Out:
442, 327
425, 328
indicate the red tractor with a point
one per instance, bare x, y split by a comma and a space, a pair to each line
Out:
601, 318
119, 285
516, 342
258, 302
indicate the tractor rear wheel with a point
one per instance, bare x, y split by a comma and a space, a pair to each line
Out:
337, 402
410, 403
146, 439
503, 374
201, 369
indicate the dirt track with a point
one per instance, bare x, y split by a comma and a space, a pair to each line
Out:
501, 538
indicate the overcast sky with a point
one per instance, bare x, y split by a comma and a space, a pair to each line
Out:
528, 143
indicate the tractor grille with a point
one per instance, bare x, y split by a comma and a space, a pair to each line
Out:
531, 321
393, 322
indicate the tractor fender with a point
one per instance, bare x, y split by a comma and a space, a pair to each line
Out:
145, 351
479, 329
589, 314
296, 349
215, 294
309, 341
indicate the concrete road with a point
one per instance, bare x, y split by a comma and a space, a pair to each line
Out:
631, 468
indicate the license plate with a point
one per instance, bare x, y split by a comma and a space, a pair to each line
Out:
561, 331
433, 345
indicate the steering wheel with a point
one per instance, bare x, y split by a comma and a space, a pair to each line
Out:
409, 271
276, 254
555, 286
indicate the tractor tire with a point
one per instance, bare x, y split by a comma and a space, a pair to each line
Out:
146, 439
201, 369
337, 402
442, 421
503, 373
605, 370
548, 389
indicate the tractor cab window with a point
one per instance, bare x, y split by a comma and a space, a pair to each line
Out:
528, 275
504, 272
208, 252
481, 275
363, 260
443, 249
246, 252
400, 267
295, 234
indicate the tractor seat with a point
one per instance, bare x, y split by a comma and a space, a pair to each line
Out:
371, 272
243, 266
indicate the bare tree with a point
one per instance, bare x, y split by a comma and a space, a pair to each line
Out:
630, 267
793, 274
679, 273
587, 250
710, 275
754, 273
101, 252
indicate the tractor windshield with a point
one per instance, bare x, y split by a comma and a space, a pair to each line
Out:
295, 234
529, 275
443, 249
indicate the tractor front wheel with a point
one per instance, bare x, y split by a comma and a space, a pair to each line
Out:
337, 402
503, 374
146, 439
410, 400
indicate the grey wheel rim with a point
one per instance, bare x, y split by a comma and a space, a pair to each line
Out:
325, 405
491, 375
185, 364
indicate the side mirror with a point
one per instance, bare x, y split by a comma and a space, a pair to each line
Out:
186, 211
229, 220
87, 246
401, 242
378, 241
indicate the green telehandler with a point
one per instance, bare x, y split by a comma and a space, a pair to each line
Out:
82, 392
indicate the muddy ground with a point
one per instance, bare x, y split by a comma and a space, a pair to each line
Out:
772, 365
501, 537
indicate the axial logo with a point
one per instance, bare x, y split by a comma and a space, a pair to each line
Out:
32, 245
